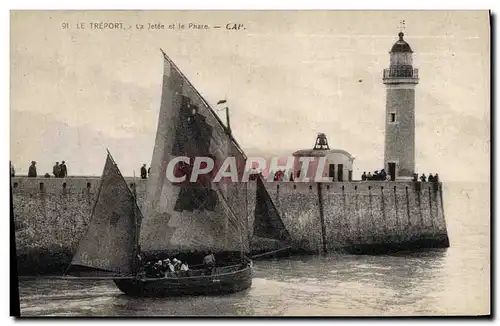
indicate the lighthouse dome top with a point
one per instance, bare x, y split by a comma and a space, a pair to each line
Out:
401, 45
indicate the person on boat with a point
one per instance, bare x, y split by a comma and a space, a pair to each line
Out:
148, 269
140, 260
153, 267
159, 269
162, 267
151, 271
209, 262
184, 269
177, 264
169, 268
140, 268
139, 264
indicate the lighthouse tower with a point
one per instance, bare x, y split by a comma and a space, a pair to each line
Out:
400, 80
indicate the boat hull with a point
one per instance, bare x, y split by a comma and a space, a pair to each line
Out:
220, 283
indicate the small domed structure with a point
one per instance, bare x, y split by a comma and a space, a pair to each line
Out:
401, 45
338, 165
401, 62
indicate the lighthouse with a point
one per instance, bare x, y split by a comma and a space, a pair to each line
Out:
400, 80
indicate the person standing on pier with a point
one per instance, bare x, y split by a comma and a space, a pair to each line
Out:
383, 175
144, 173
32, 170
12, 171
64, 170
56, 170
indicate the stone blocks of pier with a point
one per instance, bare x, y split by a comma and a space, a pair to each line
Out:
362, 217
51, 215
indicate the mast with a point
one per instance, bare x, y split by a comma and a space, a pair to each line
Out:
227, 129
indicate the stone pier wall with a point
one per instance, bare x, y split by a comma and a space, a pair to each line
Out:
50, 216
362, 217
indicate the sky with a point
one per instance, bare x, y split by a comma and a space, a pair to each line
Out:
287, 75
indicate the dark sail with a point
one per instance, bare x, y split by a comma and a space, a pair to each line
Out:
109, 245
268, 223
199, 215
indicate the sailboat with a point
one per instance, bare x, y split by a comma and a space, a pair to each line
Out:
187, 219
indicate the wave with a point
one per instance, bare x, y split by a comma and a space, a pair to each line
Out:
69, 295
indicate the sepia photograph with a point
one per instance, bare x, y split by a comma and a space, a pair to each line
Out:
250, 163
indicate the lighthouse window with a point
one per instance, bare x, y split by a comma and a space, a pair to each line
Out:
393, 117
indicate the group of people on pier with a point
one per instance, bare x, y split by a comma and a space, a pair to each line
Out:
144, 172
58, 170
376, 176
281, 176
423, 178
383, 176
